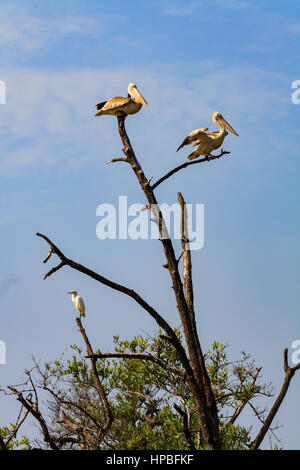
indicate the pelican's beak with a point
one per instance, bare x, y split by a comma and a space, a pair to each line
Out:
137, 96
70, 292
228, 126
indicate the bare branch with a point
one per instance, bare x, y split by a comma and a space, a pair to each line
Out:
33, 409
140, 356
121, 159
189, 296
295, 368
285, 361
61, 401
103, 398
186, 426
17, 427
289, 373
242, 405
53, 248
48, 256
53, 270
208, 158
186, 254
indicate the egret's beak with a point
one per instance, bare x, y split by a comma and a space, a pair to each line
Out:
70, 292
225, 123
137, 96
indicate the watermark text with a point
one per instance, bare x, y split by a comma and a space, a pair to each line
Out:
162, 221
2, 92
296, 354
2, 352
296, 94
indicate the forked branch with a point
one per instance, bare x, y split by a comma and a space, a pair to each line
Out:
162, 323
289, 373
33, 409
242, 405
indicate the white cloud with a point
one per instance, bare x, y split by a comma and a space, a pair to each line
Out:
49, 115
30, 33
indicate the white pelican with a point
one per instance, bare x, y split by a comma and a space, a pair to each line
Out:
206, 142
120, 105
78, 302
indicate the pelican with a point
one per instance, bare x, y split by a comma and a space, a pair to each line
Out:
78, 302
206, 142
120, 105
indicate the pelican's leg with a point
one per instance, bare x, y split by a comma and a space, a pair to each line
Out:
121, 114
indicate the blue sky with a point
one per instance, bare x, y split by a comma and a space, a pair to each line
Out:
189, 59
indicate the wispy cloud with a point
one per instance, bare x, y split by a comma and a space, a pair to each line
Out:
49, 117
200, 8
294, 28
31, 33
238, 4
173, 9
8, 284
266, 41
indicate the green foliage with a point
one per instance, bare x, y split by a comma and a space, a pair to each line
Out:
234, 437
14, 444
143, 396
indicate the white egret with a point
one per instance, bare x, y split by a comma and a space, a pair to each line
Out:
78, 302
206, 142
120, 105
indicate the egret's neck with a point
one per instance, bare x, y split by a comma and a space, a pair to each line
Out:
74, 297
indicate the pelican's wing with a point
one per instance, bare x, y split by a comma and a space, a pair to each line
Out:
195, 154
112, 104
194, 135
214, 134
81, 306
204, 138
100, 105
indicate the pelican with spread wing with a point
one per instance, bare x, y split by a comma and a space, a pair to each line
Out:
207, 142
119, 105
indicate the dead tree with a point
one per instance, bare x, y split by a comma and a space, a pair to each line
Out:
191, 356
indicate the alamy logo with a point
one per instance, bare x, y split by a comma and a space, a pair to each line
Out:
296, 354
2, 92
2, 352
134, 222
296, 95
